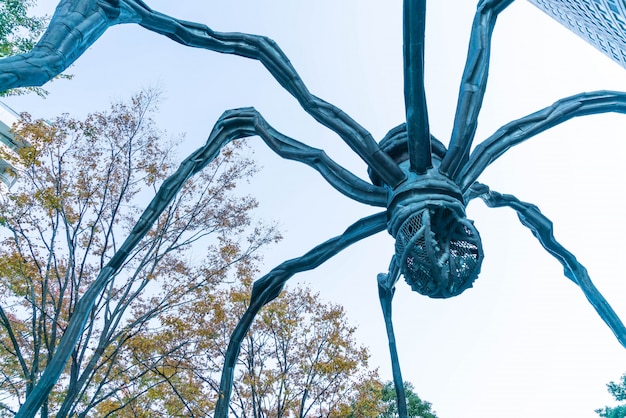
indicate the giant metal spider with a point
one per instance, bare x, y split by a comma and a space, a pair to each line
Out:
423, 186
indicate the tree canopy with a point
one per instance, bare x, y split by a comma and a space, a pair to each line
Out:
618, 391
374, 399
18, 31
299, 358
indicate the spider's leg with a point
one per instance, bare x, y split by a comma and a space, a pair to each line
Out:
524, 128
239, 123
269, 287
542, 229
473, 85
386, 289
63, 42
74, 27
414, 22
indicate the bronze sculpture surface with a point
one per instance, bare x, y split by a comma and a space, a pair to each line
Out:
424, 186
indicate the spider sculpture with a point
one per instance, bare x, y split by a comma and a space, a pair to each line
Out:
422, 186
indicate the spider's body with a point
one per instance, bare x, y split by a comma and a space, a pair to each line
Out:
437, 248
422, 186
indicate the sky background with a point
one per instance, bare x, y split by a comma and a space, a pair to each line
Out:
524, 341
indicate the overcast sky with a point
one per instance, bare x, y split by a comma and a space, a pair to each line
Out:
524, 341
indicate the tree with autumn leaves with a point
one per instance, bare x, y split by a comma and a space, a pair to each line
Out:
82, 186
299, 358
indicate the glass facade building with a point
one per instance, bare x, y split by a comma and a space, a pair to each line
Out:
602, 23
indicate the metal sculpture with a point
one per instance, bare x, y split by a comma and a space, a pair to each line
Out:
423, 186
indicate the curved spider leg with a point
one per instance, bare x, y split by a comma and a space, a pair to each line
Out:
245, 122
516, 132
76, 24
414, 24
273, 58
268, 287
473, 86
74, 27
386, 290
232, 125
542, 229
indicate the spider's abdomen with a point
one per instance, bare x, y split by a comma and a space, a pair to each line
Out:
439, 253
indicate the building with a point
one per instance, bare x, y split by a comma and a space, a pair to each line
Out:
8, 173
602, 23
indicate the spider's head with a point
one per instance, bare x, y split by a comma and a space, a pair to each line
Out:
438, 249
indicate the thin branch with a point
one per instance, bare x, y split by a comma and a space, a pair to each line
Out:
17, 352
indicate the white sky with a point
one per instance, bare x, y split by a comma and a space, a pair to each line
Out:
524, 341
